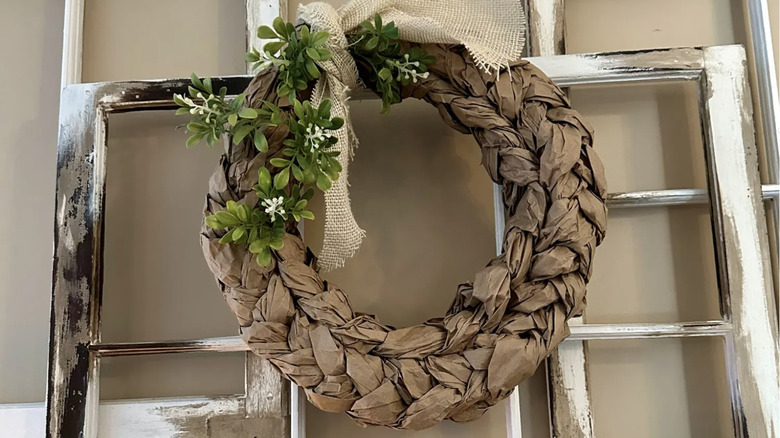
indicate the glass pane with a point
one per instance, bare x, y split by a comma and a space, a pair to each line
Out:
426, 203
608, 25
659, 388
655, 265
172, 375
648, 135
156, 283
152, 39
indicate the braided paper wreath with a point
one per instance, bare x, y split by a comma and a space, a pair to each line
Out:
499, 328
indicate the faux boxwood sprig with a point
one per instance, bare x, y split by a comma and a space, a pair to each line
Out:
307, 158
294, 55
377, 47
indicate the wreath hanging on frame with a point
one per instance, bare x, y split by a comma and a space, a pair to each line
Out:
289, 137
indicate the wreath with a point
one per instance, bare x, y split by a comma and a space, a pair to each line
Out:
285, 139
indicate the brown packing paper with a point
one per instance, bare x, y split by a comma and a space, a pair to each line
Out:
499, 328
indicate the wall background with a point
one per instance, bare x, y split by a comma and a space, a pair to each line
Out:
417, 188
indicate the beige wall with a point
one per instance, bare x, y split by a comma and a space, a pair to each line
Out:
417, 189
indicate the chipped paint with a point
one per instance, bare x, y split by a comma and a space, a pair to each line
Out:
546, 24
77, 268
641, 65
569, 394
745, 248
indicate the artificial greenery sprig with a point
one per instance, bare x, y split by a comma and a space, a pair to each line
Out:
295, 56
307, 155
214, 115
377, 47
283, 199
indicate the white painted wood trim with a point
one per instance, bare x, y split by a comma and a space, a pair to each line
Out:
159, 418
72, 42
258, 13
546, 27
569, 389
747, 287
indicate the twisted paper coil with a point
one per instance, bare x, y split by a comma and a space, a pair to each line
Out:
499, 328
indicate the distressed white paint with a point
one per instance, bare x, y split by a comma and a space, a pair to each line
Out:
159, 418
569, 389
259, 13
72, 42
546, 24
661, 64
749, 285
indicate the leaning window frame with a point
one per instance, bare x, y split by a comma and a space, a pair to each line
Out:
739, 226
546, 36
748, 325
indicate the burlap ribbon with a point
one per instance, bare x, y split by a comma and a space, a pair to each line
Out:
492, 30
498, 328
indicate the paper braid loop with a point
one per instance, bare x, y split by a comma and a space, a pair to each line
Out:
499, 328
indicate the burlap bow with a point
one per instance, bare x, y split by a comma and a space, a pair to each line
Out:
492, 30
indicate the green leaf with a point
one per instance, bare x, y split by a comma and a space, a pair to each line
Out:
227, 238
313, 53
232, 207
264, 257
248, 113
238, 233
252, 56
323, 182
384, 74
196, 81
240, 132
319, 38
372, 43
300, 204
279, 26
207, 85
297, 173
336, 123
266, 33
241, 213
298, 109
261, 143
264, 179
182, 111
273, 47
212, 222
227, 219
279, 162
257, 245
194, 139
282, 178
324, 109
308, 194
277, 244
312, 69
392, 31
233, 119
197, 127
306, 214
